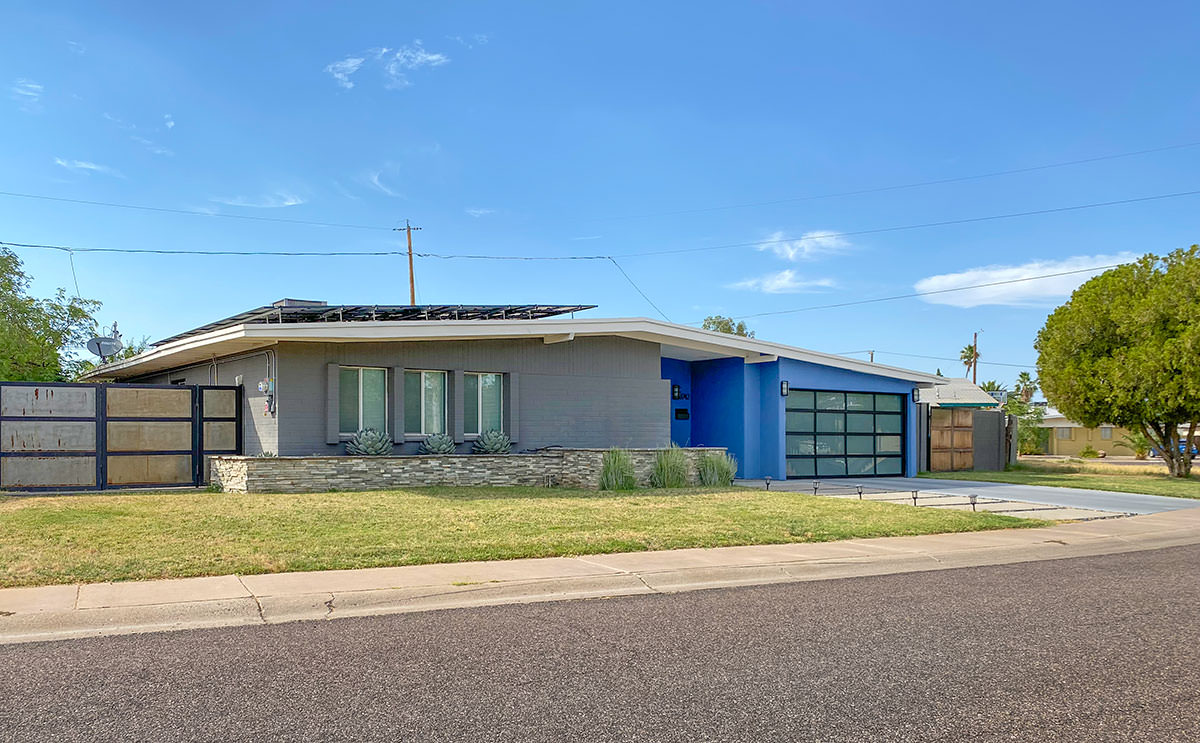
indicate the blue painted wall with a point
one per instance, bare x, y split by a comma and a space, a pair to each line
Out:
738, 406
680, 373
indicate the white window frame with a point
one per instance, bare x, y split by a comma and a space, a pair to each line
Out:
387, 418
1106, 433
1070, 433
479, 403
421, 402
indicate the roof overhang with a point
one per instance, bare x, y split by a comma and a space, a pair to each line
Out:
204, 347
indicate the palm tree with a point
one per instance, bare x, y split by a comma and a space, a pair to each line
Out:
1026, 386
991, 386
969, 357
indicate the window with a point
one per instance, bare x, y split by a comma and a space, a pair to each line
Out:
424, 402
843, 434
362, 399
482, 401
1063, 433
1106, 433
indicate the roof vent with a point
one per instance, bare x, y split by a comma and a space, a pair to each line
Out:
299, 303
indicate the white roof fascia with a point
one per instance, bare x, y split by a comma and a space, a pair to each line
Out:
550, 330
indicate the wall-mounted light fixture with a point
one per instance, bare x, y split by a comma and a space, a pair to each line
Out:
916, 395
676, 392
783, 388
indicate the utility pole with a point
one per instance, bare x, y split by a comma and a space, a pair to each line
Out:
974, 339
872, 356
412, 282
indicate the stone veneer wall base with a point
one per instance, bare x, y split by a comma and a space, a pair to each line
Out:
572, 468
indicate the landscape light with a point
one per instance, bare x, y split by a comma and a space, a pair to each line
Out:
859, 491
816, 486
973, 499
914, 497
767, 480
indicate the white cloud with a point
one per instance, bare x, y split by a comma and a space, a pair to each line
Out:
809, 246
337, 186
783, 282
342, 70
274, 200
153, 147
470, 41
27, 93
480, 212
395, 63
89, 167
169, 121
588, 237
1035, 293
76, 47
374, 180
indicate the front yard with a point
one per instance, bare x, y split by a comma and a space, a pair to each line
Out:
144, 535
1148, 479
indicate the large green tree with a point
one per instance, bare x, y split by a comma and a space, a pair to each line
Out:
38, 337
1125, 350
723, 324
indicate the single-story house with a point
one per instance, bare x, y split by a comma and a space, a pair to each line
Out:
960, 392
313, 374
1066, 437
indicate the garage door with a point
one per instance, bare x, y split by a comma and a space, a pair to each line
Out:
844, 434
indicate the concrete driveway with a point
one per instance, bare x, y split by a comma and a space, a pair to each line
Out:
1097, 500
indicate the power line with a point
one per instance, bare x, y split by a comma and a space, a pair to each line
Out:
917, 184
922, 225
638, 289
191, 212
921, 294
301, 253
943, 358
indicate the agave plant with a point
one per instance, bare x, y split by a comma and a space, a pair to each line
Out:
492, 442
436, 443
369, 442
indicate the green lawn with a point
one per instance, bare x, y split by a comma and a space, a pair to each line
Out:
1096, 476
130, 536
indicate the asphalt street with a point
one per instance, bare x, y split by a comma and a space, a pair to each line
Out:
1089, 649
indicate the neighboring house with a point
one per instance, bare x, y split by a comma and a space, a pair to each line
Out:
314, 374
966, 428
959, 392
1066, 437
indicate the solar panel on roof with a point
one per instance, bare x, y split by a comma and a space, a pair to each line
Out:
383, 313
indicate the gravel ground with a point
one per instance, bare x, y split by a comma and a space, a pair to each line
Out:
1091, 649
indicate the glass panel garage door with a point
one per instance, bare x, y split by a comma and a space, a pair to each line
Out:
844, 434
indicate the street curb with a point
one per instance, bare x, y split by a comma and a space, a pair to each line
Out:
225, 601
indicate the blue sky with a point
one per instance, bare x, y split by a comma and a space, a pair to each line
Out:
609, 129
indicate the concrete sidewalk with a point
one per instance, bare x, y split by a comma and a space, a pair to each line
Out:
62, 612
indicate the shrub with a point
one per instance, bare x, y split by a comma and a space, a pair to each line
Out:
369, 442
670, 468
616, 471
1088, 452
436, 443
1137, 442
492, 442
716, 468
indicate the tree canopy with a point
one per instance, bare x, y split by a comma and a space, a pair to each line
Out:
1125, 351
36, 335
723, 324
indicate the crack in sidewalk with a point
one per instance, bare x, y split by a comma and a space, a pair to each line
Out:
257, 603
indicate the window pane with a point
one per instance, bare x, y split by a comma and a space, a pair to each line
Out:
887, 444
860, 445
887, 424
889, 403
800, 468
859, 401
831, 444
860, 466
347, 400
801, 445
433, 401
800, 399
412, 402
374, 399
860, 422
491, 389
831, 422
831, 401
887, 466
471, 403
831, 467
799, 422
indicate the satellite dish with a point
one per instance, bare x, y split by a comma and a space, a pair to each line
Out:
104, 346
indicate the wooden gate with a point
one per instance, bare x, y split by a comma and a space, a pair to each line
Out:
951, 439
65, 436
